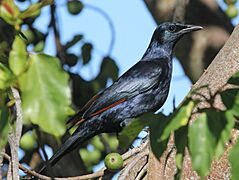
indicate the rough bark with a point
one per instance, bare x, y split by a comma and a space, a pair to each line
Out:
14, 137
201, 46
224, 65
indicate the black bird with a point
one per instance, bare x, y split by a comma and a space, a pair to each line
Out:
143, 88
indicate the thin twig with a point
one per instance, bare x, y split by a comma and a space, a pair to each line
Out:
54, 25
97, 174
2, 151
132, 164
134, 151
142, 172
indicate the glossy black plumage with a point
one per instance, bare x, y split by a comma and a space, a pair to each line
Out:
143, 88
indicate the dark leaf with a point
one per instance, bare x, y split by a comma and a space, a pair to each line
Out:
71, 59
234, 79
230, 98
72, 42
86, 50
131, 131
4, 126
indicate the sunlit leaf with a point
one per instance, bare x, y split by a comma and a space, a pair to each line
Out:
207, 137
31, 11
10, 12
233, 158
179, 118
34, 9
18, 56
201, 145
46, 94
6, 77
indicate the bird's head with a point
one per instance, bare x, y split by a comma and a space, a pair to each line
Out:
171, 32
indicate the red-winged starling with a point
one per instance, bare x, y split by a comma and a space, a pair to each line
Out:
143, 88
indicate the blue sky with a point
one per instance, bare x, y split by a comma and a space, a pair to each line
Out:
134, 27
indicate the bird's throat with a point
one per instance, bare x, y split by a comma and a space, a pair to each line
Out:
156, 50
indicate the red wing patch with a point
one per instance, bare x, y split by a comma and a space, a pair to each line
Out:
77, 121
74, 120
108, 107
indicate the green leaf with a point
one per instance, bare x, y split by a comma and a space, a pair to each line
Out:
72, 42
9, 12
234, 79
158, 145
86, 50
46, 94
207, 137
220, 124
233, 158
108, 70
6, 77
230, 98
131, 131
34, 9
39, 47
201, 145
18, 56
179, 118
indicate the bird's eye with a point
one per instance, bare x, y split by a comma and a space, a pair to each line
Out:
172, 28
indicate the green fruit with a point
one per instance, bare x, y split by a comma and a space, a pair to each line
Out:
28, 141
231, 11
71, 59
113, 161
229, 2
74, 7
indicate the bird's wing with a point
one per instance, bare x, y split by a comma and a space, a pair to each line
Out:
140, 78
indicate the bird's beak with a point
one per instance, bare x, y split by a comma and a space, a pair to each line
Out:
190, 28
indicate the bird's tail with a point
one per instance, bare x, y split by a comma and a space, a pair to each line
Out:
70, 144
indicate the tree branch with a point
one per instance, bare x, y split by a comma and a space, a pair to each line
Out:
14, 136
54, 25
180, 10
97, 174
